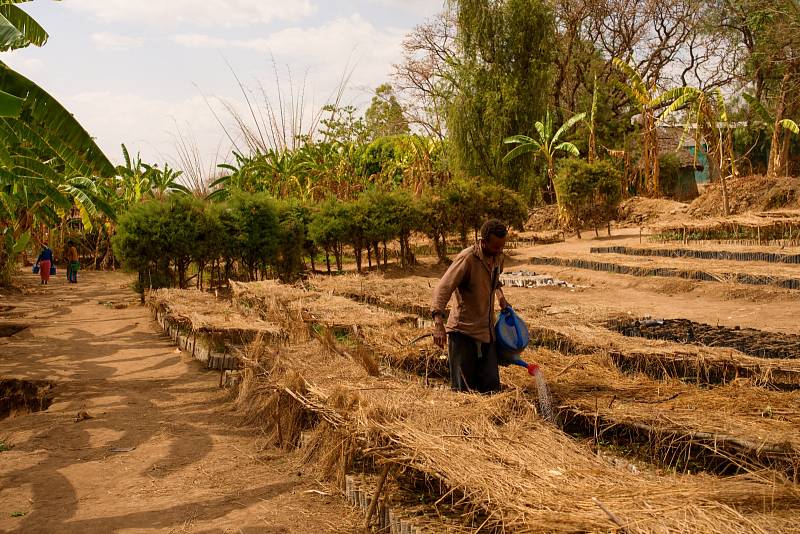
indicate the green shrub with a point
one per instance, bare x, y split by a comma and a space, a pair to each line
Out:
588, 193
256, 218
669, 172
328, 229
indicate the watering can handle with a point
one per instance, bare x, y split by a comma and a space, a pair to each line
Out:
509, 311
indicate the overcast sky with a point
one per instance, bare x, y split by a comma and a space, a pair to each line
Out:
135, 71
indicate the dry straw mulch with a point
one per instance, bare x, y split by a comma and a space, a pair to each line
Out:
755, 426
515, 471
204, 313
508, 468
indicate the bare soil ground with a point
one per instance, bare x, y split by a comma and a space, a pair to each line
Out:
161, 451
729, 304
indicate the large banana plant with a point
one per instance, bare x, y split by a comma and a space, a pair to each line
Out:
709, 114
17, 30
164, 181
780, 130
548, 144
49, 164
647, 101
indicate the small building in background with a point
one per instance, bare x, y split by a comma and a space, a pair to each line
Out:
683, 166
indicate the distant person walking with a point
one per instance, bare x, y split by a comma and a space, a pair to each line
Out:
45, 261
474, 276
72, 262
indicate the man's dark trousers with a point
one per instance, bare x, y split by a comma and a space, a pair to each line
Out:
473, 365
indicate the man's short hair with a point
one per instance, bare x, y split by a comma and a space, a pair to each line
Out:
493, 227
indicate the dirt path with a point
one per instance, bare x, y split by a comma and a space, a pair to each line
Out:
183, 464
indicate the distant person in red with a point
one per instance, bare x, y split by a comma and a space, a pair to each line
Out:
44, 261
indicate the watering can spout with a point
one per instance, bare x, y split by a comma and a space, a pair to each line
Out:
531, 367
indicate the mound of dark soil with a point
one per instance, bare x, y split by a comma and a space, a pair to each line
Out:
747, 340
748, 193
24, 396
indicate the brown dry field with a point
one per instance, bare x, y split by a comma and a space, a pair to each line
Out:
728, 304
194, 468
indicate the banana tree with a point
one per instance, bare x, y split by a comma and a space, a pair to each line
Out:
547, 144
17, 30
778, 128
646, 100
46, 158
708, 112
164, 181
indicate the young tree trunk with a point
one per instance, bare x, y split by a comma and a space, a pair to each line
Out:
358, 252
385, 255
785, 145
652, 133
551, 194
369, 256
725, 205
337, 252
328, 259
775, 164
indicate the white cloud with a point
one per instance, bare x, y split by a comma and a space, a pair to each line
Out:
202, 13
25, 66
325, 50
106, 40
146, 125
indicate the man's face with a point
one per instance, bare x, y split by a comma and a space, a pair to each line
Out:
493, 245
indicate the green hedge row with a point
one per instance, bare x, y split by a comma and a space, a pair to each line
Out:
255, 236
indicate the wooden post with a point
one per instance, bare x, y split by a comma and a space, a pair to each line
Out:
374, 504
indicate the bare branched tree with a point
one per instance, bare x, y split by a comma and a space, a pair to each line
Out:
424, 79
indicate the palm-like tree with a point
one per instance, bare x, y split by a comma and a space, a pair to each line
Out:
647, 101
781, 130
165, 181
709, 114
547, 145
48, 162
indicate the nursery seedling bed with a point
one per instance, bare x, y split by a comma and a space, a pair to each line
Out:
599, 378
701, 366
703, 369
505, 465
788, 282
724, 430
18, 397
677, 449
700, 254
755, 228
747, 340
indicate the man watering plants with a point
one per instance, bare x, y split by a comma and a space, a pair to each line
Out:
474, 276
